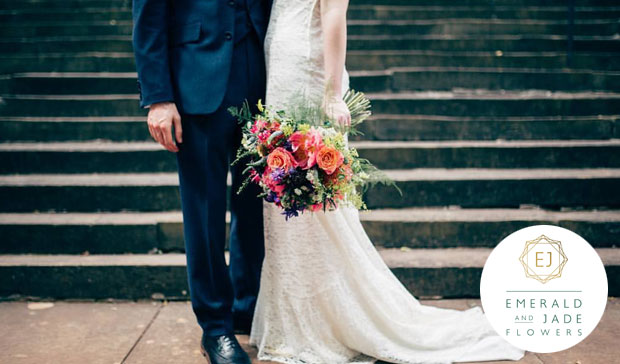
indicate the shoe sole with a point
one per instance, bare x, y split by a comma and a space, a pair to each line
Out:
204, 353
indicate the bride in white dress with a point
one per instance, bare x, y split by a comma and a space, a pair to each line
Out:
326, 296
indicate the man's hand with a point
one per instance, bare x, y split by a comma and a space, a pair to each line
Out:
162, 117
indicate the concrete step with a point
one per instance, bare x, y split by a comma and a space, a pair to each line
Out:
408, 12
469, 187
381, 60
74, 128
496, 103
429, 127
90, 192
36, 14
394, 80
68, 62
505, 43
95, 233
143, 232
551, 188
490, 3
449, 78
107, 43
80, 28
378, 127
475, 227
355, 12
71, 105
69, 83
356, 60
460, 26
427, 272
135, 157
491, 154
449, 103
51, 4
454, 26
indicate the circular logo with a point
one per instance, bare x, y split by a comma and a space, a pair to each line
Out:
543, 288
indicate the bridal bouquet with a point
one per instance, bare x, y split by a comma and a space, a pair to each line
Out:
301, 160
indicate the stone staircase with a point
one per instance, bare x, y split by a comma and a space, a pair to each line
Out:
481, 116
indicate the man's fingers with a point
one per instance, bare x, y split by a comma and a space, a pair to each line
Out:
170, 145
160, 137
167, 137
178, 131
157, 134
154, 132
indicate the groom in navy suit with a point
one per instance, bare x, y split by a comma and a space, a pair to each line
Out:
196, 58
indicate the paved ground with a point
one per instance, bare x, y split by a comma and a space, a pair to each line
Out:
166, 333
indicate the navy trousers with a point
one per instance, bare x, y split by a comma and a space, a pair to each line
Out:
221, 293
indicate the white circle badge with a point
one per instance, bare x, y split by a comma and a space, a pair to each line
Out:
543, 288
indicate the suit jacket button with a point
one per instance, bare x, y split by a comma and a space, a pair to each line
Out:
228, 35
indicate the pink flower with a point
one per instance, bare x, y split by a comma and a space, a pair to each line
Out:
258, 125
306, 146
298, 144
297, 139
314, 144
263, 135
255, 176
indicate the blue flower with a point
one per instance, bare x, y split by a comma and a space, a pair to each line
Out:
288, 213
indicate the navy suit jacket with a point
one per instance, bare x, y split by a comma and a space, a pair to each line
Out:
183, 49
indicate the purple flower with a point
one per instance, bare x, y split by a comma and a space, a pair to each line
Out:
277, 174
272, 197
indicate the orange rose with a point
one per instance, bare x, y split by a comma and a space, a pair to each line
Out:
329, 159
281, 158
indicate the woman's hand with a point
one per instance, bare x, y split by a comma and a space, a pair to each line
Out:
337, 111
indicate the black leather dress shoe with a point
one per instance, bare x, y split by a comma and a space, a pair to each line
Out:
223, 349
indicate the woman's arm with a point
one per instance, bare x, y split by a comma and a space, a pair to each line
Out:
334, 26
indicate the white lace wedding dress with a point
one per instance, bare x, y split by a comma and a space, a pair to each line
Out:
326, 296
